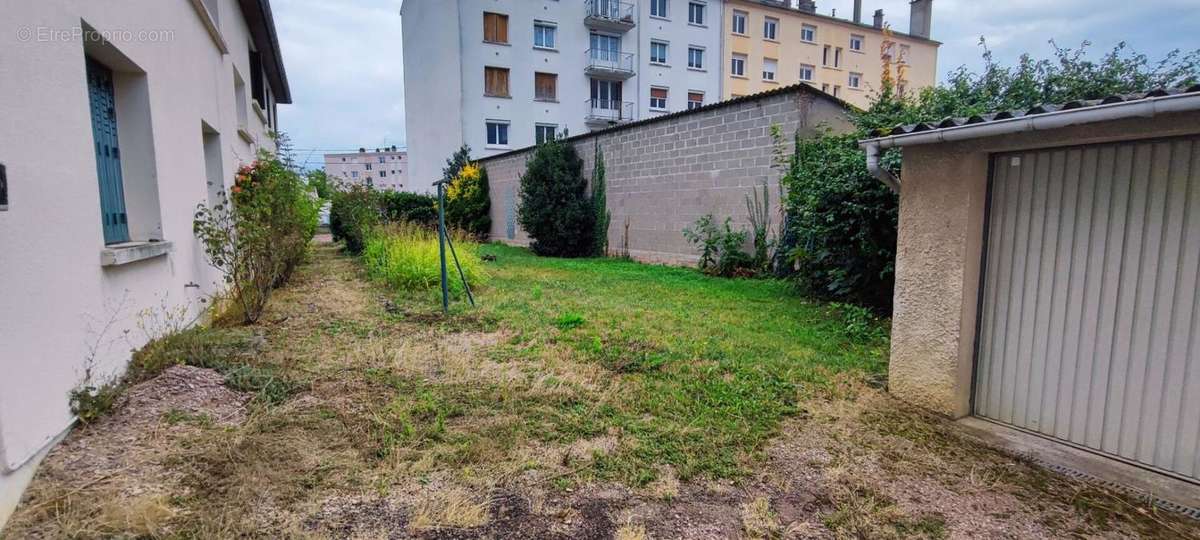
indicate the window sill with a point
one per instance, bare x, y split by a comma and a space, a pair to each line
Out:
497, 147
856, 51
501, 43
258, 110
496, 96
743, 77
770, 81
698, 70
769, 40
131, 252
211, 25
659, 111
245, 135
660, 64
807, 42
697, 25
832, 68
545, 49
545, 100
660, 18
853, 89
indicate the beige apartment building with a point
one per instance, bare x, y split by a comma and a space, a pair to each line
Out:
774, 43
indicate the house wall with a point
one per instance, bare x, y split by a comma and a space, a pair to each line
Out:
60, 307
940, 246
790, 52
341, 168
445, 57
663, 175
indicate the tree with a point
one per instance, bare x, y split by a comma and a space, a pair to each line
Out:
600, 204
468, 204
556, 210
319, 182
455, 163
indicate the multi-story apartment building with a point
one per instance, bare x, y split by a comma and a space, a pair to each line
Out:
385, 168
773, 43
505, 74
119, 119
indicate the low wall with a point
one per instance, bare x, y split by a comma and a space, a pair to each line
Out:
665, 173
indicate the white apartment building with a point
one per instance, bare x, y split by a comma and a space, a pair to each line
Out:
385, 168
503, 74
119, 119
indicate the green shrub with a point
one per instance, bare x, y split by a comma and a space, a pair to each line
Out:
411, 207
600, 204
720, 248
259, 234
355, 212
405, 256
556, 210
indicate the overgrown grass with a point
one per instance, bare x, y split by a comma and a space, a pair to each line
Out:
406, 256
691, 371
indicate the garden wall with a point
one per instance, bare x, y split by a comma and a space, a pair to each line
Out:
666, 172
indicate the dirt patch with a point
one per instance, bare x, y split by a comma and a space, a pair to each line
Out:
113, 475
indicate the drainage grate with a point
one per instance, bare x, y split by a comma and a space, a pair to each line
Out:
1169, 506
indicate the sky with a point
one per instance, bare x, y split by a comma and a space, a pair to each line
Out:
346, 69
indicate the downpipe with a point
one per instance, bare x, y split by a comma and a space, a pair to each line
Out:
876, 168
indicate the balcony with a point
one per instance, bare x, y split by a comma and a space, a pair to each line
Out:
602, 113
606, 64
611, 15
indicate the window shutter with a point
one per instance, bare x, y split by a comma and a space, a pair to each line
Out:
495, 81
545, 85
495, 27
660, 93
502, 29
696, 96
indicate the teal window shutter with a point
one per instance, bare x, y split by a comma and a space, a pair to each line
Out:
108, 152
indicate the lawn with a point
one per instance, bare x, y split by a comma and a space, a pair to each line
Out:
579, 399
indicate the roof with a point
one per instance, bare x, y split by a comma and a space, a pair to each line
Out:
794, 88
773, 4
1081, 105
262, 29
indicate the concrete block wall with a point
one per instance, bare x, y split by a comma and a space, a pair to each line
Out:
665, 173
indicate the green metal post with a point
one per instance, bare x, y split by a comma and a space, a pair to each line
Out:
442, 246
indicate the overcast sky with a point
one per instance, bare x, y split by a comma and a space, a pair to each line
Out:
345, 65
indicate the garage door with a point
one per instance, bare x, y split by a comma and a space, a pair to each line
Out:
1090, 314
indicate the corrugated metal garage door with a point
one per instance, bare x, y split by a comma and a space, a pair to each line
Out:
1090, 321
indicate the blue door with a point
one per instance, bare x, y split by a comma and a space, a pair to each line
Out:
108, 152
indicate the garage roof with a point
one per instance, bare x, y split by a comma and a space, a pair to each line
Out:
964, 125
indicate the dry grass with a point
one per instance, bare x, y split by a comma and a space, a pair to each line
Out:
759, 522
632, 532
448, 508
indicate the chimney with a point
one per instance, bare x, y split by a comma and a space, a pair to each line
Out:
858, 11
809, 6
879, 18
921, 18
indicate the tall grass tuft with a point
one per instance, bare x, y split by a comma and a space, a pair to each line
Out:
405, 256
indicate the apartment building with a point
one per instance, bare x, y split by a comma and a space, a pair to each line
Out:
119, 119
505, 74
774, 43
385, 168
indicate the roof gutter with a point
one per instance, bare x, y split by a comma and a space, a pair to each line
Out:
1143, 108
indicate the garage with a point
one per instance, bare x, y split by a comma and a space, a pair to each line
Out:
1089, 322
1048, 279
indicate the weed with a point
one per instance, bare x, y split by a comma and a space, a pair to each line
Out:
759, 521
179, 416
569, 321
448, 508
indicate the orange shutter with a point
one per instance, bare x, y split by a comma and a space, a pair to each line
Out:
696, 96
658, 93
545, 86
495, 27
495, 81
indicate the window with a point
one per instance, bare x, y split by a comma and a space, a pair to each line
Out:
495, 27
543, 35
353, 174
738, 66
658, 98
544, 132
837, 91
825, 88
545, 86
383, 174
855, 80
243, 104
904, 52
658, 8
770, 25
368, 166
497, 133
658, 52
696, 13
739, 22
606, 48
695, 57
806, 72
808, 33
769, 67
825, 55
382, 159
837, 57
856, 42
695, 100
495, 82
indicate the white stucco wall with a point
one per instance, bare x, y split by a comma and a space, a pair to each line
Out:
432, 87
55, 298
